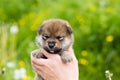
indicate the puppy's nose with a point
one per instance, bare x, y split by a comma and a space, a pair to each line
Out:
51, 44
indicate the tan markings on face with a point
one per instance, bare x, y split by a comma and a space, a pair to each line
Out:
46, 43
58, 44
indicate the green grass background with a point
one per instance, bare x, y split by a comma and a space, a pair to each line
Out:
96, 26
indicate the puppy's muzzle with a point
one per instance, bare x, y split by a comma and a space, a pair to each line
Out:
51, 45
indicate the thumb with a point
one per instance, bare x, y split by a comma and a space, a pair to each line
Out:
49, 55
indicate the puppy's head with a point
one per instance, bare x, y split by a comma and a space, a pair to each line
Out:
55, 35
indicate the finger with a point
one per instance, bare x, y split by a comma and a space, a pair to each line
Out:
49, 55
73, 54
38, 72
36, 60
70, 51
39, 62
36, 67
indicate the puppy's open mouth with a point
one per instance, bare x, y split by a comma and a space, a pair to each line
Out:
53, 51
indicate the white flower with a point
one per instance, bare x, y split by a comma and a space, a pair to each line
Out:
10, 64
19, 73
14, 29
23, 72
108, 74
16, 74
102, 2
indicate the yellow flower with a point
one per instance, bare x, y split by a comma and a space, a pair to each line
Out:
31, 15
21, 64
80, 19
83, 62
84, 53
93, 8
109, 38
26, 78
2, 63
110, 10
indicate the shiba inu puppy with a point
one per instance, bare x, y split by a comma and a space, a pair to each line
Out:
55, 36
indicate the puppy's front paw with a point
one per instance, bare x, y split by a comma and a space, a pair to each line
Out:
37, 54
66, 58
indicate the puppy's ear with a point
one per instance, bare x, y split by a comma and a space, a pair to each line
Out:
40, 29
69, 29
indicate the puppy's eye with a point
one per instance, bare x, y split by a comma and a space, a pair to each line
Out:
60, 38
45, 37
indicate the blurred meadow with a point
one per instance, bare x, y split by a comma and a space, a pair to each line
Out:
96, 26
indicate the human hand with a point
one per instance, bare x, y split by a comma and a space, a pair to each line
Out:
53, 68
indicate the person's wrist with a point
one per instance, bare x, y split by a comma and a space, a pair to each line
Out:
72, 79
